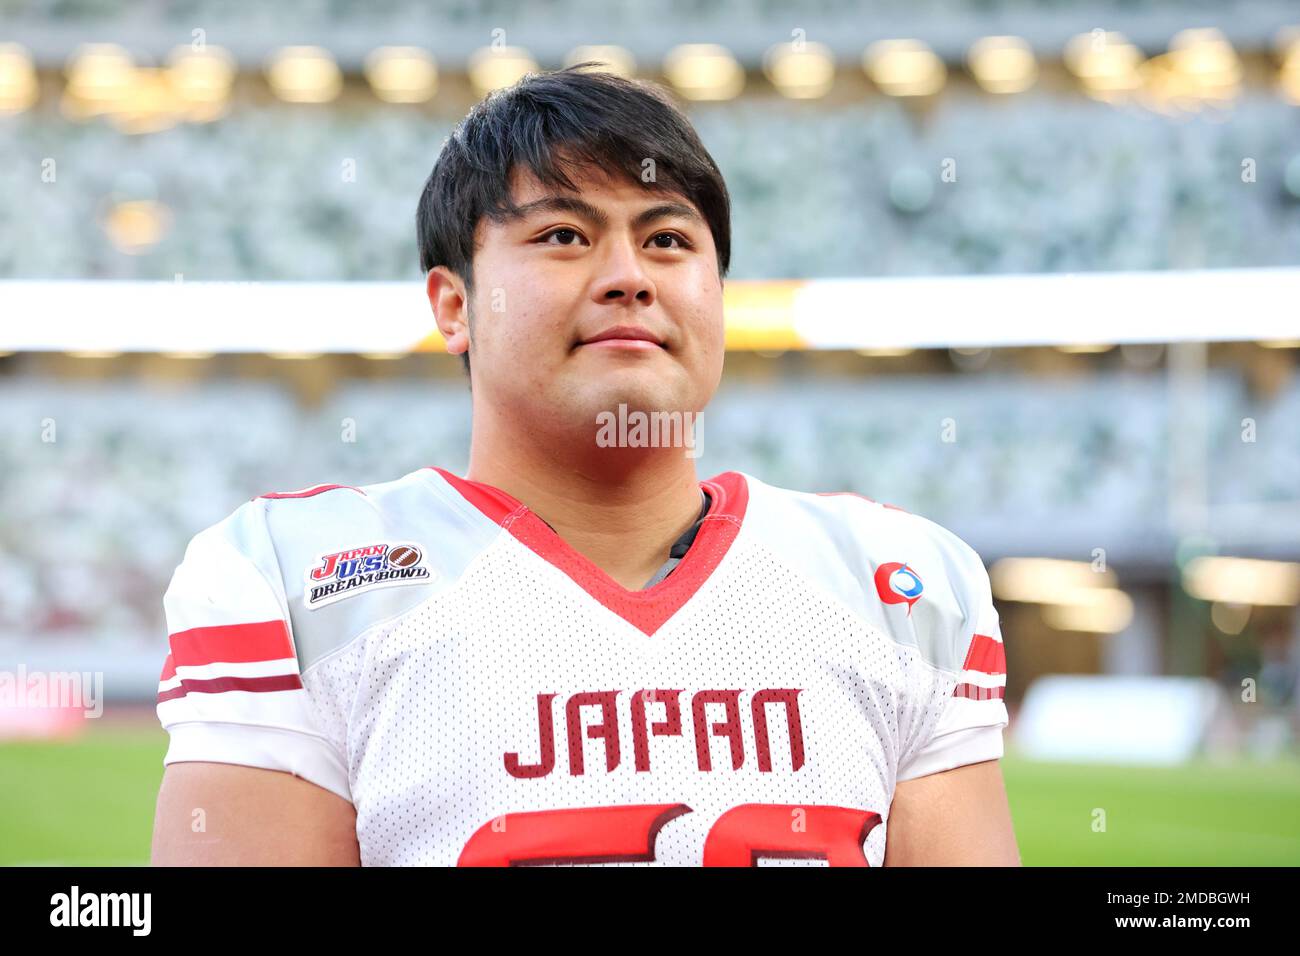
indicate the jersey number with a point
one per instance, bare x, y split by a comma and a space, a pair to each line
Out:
618, 834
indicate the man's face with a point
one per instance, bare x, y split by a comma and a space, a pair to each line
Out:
576, 266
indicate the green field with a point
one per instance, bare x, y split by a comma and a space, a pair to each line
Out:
90, 801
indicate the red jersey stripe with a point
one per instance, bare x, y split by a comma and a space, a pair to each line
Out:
230, 644
219, 685
975, 692
308, 492
986, 655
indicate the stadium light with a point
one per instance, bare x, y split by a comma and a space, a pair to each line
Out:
904, 68
99, 75
1074, 595
1242, 580
18, 86
1002, 64
494, 68
1207, 61
402, 74
148, 104
134, 226
1287, 45
1094, 611
202, 79
804, 72
1046, 580
1105, 62
1200, 68
704, 71
304, 74
1288, 81
103, 80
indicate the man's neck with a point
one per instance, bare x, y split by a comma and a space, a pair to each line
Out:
620, 508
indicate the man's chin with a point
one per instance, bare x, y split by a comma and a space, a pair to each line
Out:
625, 397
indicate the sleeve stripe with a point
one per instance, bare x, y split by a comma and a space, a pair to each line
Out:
986, 654
975, 692
228, 644
219, 685
308, 492
288, 665
978, 678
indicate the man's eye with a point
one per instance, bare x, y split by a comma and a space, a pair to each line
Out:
564, 235
682, 242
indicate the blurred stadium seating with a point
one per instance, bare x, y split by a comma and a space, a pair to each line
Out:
126, 483
1049, 186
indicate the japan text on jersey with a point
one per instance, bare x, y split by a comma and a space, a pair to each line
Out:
430, 650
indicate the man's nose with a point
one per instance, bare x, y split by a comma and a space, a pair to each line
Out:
622, 274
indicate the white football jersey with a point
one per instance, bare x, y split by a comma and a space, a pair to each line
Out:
431, 651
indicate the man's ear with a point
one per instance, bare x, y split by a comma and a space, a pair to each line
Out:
450, 304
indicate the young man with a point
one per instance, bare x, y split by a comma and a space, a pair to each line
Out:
580, 652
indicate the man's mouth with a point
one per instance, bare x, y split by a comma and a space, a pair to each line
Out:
624, 336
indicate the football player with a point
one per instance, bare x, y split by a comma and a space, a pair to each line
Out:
579, 651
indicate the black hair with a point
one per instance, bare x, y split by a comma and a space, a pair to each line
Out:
552, 124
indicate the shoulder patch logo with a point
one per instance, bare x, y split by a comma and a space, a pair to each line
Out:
898, 584
340, 574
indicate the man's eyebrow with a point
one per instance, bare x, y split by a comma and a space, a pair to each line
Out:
580, 207
667, 210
